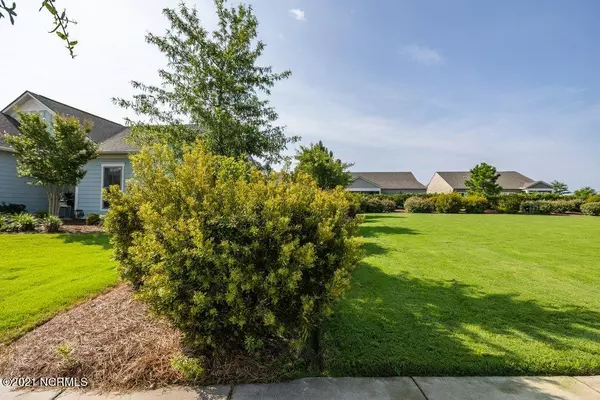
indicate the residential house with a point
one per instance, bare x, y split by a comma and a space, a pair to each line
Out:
385, 183
510, 181
111, 167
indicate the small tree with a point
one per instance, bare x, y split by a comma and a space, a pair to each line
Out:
52, 158
483, 181
559, 187
213, 87
317, 161
584, 192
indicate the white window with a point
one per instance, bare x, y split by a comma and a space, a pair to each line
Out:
111, 174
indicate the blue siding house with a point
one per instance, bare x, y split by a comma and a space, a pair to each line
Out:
112, 167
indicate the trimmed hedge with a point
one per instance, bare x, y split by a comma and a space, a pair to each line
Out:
370, 204
591, 208
449, 203
475, 204
507, 204
239, 261
417, 204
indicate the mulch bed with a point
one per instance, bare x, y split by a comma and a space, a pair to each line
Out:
74, 226
111, 340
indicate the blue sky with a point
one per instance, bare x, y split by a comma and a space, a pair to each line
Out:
389, 85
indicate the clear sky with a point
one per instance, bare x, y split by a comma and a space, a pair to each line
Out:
389, 85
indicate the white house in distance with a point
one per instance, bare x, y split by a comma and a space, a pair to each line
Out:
510, 181
385, 183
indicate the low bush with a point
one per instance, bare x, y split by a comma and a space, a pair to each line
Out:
449, 203
591, 208
593, 199
40, 214
564, 206
92, 219
543, 207
475, 204
11, 208
420, 204
51, 223
508, 204
372, 204
238, 261
22, 222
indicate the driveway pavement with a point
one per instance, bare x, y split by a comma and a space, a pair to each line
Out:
407, 388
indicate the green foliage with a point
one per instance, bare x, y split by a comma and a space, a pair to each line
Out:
22, 222
93, 219
591, 208
564, 206
593, 199
417, 204
584, 192
40, 214
52, 158
559, 187
449, 203
508, 204
374, 204
191, 368
319, 162
11, 208
354, 203
483, 181
61, 21
51, 223
238, 260
475, 204
544, 207
213, 83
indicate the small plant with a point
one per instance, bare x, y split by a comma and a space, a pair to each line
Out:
475, 204
192, 369
591, 208
11, 208
65, 352
420, 204
449, 203
51, 223
92, 219
22, 222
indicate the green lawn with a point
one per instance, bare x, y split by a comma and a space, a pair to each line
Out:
43, 274
471, 295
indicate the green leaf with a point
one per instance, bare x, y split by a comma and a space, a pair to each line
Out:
50, 8
73, 43
61, 35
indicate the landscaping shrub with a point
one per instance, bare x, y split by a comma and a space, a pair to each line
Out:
593, 199
563, 206
40, 214
372, 204
237, 260
22, 222
420, 204
51, 223
11, 208
475, 204
543, 207
449, 203
353, 203
591, 208
93, 219
508, 204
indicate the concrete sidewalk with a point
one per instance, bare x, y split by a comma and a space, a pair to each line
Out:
428, 388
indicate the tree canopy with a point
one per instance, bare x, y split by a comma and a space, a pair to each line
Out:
483, 181
212, 87
319, 162
584, 192
61, 20
559, 187
52, 157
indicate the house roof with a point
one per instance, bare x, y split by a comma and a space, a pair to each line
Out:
391, 180
508, 180
108, 134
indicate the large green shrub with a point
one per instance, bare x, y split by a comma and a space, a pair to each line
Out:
591, 208
475, 204
374, 204
449, 203
543, 207
420, 204
563, 206
508, 204
237, 260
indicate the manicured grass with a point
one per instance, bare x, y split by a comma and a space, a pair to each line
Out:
42, 274
471, 295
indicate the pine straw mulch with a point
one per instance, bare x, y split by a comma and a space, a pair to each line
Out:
117, 345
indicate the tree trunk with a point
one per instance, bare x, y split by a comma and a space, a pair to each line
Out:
54, 195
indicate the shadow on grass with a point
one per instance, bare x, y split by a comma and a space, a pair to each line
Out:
372, 228
91, 239
392, 325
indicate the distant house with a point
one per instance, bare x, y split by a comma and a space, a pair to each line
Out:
385, 183
510, 181
112, 167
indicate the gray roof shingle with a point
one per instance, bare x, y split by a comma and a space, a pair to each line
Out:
508, 180
391, 180
7, 125
118, 143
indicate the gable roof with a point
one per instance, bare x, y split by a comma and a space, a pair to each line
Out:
108, 134
508, 180
390, 180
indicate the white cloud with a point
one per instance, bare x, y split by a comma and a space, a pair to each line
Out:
423, 55
298, 14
